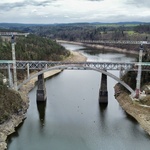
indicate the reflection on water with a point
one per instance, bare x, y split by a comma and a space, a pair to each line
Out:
109, 57
41, 107
103, 106
72, 47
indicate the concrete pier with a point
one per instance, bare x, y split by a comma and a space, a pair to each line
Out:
10, 77
41, 91
103, 93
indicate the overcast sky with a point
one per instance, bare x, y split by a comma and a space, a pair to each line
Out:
69, 11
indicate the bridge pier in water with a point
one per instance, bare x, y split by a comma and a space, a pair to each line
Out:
103, 93
41, 91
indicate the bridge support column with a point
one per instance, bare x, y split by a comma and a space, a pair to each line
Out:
121, 72
41, 91
10, 77
28, 71
103, 93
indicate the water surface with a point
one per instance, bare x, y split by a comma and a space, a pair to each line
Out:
72, 119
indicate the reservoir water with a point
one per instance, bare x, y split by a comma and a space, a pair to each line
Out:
72, 119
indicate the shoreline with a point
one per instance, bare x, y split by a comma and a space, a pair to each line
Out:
97, 46
8, 127
139, 112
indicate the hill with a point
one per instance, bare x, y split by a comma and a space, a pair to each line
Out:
33, 48
30, 48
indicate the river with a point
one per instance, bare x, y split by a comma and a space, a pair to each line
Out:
72, 119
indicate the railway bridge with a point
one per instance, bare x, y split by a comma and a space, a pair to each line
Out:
45, 66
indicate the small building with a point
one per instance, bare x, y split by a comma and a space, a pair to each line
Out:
4, 81
146, 88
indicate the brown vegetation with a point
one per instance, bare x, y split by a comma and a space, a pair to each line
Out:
10, 103
135, 109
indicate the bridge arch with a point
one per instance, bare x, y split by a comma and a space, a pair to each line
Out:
77, 67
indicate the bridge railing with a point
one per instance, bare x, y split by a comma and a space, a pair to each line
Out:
114, 42
13, 33
40, 65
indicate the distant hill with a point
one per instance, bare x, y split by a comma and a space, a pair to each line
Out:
20, 25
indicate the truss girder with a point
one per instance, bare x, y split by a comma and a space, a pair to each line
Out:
40, 65
114, 42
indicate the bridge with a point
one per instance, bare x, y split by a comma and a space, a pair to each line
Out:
45, 66
13, 33
36, 65
115, 42
97, 66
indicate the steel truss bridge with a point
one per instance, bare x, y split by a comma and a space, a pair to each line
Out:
39, 65
44, 66
102, 67
115, 42
13, 33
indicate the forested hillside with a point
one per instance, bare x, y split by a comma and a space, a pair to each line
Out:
30, 48
74, 32
89, 31
95, 31
33, 47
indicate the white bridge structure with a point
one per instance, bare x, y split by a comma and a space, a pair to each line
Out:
45, 66
114, 42
13, 33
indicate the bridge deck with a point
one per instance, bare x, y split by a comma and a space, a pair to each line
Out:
13, 33
114, 42
36, 65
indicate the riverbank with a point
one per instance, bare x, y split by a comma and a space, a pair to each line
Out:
97, 46
9, 126
69, 59
134, 109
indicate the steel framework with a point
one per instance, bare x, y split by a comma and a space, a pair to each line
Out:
39, 65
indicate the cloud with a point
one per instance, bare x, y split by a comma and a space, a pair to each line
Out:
8, 6
95, 0
34, 10
139, 3
59, 11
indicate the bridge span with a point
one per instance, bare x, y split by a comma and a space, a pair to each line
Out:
77, 67
45, 66
36, 65
115, 42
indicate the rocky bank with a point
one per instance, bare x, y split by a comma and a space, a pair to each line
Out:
134, 108
9, 126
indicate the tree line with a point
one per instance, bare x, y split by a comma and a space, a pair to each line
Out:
33, 48
86, 31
